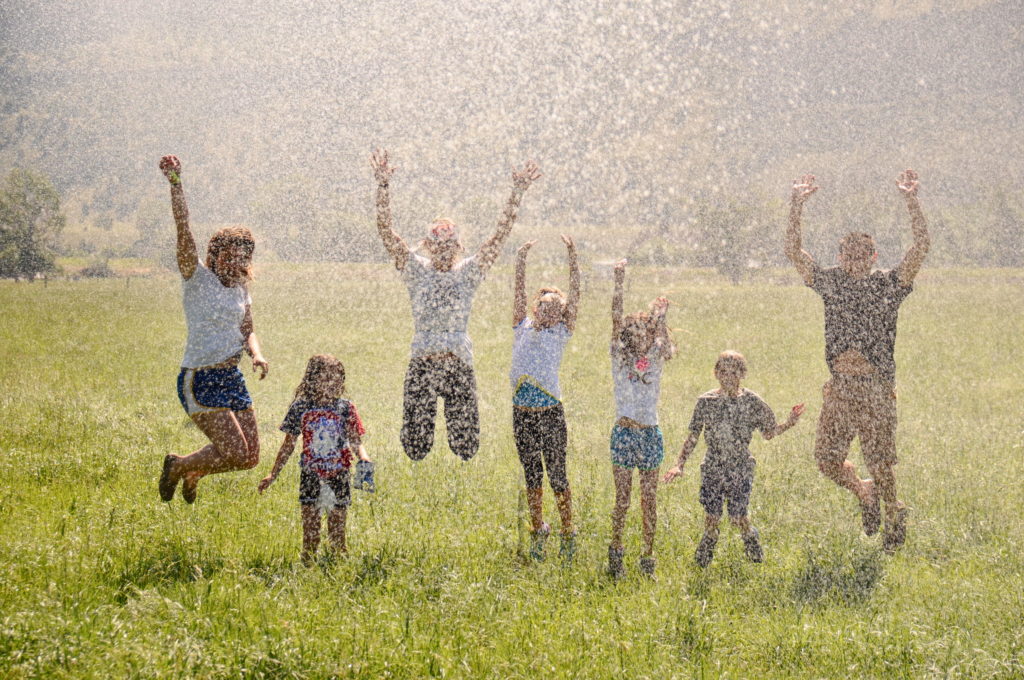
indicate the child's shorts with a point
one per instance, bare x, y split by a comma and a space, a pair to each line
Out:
202, 390
331, 493
637, 447
733, 484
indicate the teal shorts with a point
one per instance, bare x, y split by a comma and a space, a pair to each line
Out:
637, 447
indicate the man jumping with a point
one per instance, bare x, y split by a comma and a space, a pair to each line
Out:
859, 400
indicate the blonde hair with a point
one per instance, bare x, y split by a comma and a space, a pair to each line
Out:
732, 359
226, 238
322, 378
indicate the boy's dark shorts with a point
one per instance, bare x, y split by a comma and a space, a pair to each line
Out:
721, 484
309, 488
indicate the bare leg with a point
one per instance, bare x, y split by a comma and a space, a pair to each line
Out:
336, 519
623, 489
845, 475
741, 523
564, 502
885, 481
310, 533
234, 444
649, 507
535, 501
711, 524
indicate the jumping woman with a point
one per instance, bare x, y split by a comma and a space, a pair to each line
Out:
219, 320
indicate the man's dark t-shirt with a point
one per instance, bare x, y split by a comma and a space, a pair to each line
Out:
860, 314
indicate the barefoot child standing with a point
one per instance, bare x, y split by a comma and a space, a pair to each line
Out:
331, 430
728, 417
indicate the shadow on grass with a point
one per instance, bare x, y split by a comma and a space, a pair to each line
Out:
837, 573
166, 561
373, 568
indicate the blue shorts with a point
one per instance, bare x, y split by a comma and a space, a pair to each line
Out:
732, 484
637, 447
203, 390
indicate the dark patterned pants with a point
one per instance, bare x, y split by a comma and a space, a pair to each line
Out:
541, 441
428, 379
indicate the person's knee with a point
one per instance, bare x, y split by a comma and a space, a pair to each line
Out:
739, 521
830, 467
252, 455
414, 451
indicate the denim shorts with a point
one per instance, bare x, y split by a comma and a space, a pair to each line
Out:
202, 390
311, 486
719, 484
637, 447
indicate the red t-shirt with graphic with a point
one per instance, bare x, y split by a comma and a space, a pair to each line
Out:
326, 431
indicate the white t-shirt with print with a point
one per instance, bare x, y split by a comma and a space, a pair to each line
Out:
441, 303
213, 315
537, 355
638, 384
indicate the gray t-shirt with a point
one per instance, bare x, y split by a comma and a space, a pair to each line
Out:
441, 302
728, 424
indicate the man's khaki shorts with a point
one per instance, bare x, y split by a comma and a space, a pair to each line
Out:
856, 406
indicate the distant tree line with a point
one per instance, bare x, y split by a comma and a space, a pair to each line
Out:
30, 222
297, 222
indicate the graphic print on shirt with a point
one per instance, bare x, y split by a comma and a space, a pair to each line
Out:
324, 445
639, 373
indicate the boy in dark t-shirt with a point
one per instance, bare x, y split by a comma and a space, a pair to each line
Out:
728, 417
859, 400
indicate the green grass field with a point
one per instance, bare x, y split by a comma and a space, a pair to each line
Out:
98, 578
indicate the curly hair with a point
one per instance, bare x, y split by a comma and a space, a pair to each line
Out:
228, 237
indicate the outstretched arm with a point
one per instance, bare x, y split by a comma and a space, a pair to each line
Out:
519, 285
521, 181
572, 302
393, 243
912, 261
801, 259
794, 415
283, 454
688, 446
619, 275
188, 259
659, 313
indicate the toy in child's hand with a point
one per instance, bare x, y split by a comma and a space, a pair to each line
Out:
364, 476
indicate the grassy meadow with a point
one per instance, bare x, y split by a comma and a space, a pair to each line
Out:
98, 578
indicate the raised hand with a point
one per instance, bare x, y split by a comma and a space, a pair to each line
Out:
524, 249
522, 179
171, 167
382, 169
570, 245
907, 182
803, 188
659, 308
619, 270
